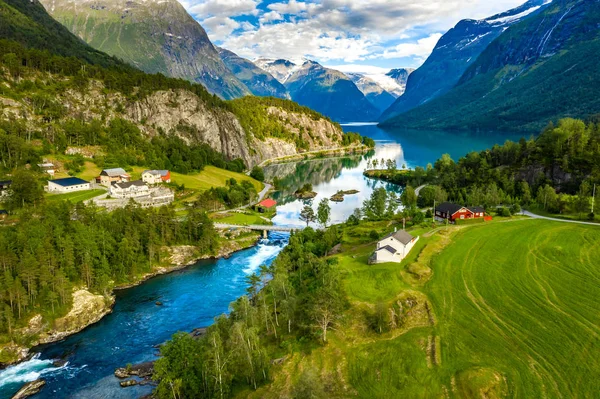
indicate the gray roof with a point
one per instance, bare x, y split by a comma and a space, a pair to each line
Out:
402, 236
128, 184
389, 249
157, 172
114, 172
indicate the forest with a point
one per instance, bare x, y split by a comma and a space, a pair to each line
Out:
59, 246
556, 171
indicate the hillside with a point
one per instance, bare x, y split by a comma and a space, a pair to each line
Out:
154, 36
540, 70
258, 81
27, 23
331, 93
454, 53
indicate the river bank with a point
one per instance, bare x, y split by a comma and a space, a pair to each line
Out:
88, 308
330, 153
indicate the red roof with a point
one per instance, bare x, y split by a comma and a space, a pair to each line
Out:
268, 203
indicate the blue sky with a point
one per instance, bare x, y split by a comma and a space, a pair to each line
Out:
350, 34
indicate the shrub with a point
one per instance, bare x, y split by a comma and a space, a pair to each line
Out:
258, 173
374, 235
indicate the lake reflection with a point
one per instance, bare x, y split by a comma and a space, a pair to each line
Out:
328, 176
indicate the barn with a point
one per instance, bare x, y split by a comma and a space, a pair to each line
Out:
452, 212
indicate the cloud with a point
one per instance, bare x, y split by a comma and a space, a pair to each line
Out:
342, 30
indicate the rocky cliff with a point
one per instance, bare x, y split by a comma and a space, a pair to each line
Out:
183, 113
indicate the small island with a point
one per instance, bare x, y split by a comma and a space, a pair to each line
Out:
339, 196
305, 192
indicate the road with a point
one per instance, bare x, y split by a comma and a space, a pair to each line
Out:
534, 216
418, 189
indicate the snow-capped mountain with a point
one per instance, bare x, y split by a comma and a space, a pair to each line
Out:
373, 91
280, 69
455, 52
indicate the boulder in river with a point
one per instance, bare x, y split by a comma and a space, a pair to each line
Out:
158, 303
128, 383
29, 389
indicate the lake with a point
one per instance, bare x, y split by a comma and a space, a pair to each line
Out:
193, 297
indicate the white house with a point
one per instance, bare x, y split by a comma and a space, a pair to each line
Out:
48, 168
393, 248
132, 189
68, 185
156, 176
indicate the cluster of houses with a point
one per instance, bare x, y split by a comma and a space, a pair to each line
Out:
120, 186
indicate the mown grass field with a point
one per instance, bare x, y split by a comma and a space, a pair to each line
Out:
514, 313
78, 196
240, 218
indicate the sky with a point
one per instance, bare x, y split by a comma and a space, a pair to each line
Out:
350, 35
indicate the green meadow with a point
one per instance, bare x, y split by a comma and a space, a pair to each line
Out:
508, 309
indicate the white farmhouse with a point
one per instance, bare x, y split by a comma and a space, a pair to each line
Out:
68, 185
131, 189
156, 176
393, 248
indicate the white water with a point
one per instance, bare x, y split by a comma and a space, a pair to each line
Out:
28, 371
263, 253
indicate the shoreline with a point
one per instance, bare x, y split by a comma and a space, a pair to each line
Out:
26, 353
317, 154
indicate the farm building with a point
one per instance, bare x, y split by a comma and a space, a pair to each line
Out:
131, 189
452, 212
393, 248
48, 168
110, 176
68, 185
156, 176
266, 205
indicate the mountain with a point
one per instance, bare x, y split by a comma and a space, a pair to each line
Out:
152, 35
400, 77
258, 81
331, 93
454, 53
280, 69
373, 91
28, 23
540, 70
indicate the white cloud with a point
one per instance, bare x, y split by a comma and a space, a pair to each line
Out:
419, 49
327, 30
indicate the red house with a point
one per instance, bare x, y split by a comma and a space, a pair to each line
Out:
266, 205
452, 212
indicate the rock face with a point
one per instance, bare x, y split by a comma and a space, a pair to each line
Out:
454, 53
87, 309
538, 70
153, 35
29, 389
259, 82
279, 69
331, 93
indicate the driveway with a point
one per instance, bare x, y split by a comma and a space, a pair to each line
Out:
534, 216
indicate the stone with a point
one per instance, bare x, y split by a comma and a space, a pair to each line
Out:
29, 389
128, 383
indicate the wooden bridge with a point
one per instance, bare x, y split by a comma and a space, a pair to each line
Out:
257, 227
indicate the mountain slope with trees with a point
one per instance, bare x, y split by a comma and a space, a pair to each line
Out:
154, 36
540, 70
453, 54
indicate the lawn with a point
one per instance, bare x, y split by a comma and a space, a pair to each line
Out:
212, 177
78, 196
240, 218
514, 313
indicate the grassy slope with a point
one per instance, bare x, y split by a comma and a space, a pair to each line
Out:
515, 308
212, 177
78, 196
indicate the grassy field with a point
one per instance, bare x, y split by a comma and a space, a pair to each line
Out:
240, 218
505, 309
78, 196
